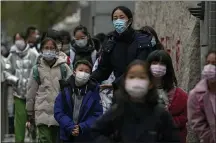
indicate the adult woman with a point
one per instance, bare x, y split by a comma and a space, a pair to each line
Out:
83, 47
202, 101
43, 88
137, 116
122, 46
172, 97
155, 40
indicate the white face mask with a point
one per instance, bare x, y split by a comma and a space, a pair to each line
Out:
81, 78
20, 44
158, 70
81, 43
137, 88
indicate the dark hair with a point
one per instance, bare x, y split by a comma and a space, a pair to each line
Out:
151, 98
151, 31
29, 30
47, 40
85, 62
101, 37
53, 34
169, 79
85, 31
212, 51
126, 11
64, 33
21, 35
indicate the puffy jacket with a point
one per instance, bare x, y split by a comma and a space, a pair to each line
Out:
119, 51
41, 96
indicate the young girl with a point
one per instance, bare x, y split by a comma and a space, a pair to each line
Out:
78, 105
43, 89
202, 103
136, 115
172, 97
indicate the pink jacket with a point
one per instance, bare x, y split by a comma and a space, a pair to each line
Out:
201, 115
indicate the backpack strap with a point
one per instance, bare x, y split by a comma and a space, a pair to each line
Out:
36, 74
63, 70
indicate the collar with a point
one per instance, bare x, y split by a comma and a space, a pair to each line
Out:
202, 86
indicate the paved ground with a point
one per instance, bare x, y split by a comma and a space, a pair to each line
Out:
11, 138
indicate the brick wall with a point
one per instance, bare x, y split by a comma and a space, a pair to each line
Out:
179, 33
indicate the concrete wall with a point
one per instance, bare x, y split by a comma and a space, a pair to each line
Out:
179, 33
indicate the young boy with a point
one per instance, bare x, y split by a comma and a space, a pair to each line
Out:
78, 105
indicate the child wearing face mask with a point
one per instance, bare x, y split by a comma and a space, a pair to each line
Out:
78, 105
136, 115
43, 88
202, 103
173, 98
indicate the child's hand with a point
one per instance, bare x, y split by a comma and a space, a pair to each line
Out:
75, 131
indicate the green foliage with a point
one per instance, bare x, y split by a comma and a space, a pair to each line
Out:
18, 15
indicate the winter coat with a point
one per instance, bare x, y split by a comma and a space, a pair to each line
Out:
135, 122
178, 109
201, 116
119, 51
90, 110
41, 96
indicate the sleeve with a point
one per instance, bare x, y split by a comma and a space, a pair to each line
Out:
69, 72
32, 89
104, 68
181, 119
97, 111
108, 123
64, 120
168, 130
9, 71
197, 119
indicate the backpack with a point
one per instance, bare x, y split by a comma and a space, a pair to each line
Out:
63, 70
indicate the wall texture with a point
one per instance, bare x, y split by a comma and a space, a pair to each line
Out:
178, 31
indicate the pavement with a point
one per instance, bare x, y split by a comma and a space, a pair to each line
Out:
10, 138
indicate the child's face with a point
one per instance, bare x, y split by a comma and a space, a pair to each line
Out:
83, 68
137, 71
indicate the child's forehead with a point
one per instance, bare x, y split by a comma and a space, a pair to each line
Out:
81, 65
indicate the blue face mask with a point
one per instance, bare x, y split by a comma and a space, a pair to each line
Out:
153, 42
120, 25
49, 55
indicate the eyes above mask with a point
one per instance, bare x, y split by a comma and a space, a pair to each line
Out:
49, 55
20, 44
120, 25
137, 88
158, 70
81, 78
209, 72
81, 43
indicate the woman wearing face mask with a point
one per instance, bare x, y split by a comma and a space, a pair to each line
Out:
83, 47
137, 116
66, 42
43, 88
17, 73
78, 105
173, 98
155, 40
122, 46
202, 103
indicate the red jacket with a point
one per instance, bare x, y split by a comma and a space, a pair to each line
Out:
178, 109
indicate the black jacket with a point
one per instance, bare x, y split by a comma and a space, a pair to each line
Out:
137, 123
119, 51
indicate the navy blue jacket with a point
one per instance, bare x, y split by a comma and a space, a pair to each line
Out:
90, 110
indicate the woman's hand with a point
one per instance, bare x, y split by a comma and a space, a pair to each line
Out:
106, 86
